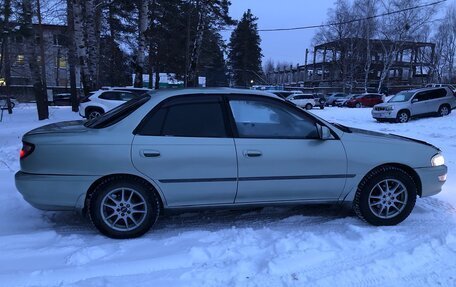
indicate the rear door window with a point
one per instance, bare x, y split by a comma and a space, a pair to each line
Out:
186, 119
437, 94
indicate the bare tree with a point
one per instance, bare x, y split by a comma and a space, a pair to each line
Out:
398, 28
445, 40
143, 23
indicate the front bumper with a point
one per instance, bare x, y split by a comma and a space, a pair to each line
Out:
383, 114
53, 192
432, 179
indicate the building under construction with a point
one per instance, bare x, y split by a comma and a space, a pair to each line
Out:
342, 64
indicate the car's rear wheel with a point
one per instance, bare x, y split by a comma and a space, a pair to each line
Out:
94, 113
308, 106
444, 110
121, 207
386, 196
402, 117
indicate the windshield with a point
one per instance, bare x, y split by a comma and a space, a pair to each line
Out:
117, 114
401, 97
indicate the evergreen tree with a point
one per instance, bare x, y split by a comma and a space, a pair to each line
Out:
245, 51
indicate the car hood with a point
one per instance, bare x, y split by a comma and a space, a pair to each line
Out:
362, 132
60, 127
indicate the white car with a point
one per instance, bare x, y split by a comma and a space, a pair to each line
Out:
103, 101
306, 101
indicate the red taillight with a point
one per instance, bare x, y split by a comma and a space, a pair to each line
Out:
27, 149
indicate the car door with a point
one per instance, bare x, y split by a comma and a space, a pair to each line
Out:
185, 146
280, 156
420, 103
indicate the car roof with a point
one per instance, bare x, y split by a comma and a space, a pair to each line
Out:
168, 93
425, 89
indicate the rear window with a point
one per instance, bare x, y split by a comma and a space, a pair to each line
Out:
117, 114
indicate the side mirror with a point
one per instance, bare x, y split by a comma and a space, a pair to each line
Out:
324, 132
414, 101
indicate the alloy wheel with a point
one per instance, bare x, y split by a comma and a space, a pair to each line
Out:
388, 198
123, 209
444, 111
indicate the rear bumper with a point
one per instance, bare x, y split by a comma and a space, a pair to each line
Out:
432, 179
53, 192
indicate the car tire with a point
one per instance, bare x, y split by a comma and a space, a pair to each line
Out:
444, 110
358, 105
308, 107
123, 207
386, 196
93, 113
322, 107
403, 116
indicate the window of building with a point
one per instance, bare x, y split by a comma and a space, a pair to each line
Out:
62, 62
20, 60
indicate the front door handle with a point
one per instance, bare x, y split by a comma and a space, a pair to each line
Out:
150, 153
252, 153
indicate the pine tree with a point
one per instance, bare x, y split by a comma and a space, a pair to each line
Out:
245, 51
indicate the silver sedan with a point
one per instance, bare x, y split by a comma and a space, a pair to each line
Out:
219, 148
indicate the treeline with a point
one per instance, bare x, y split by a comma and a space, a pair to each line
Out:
109, 40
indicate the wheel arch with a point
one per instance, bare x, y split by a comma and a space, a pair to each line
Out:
91, 108
132, 177
410, 171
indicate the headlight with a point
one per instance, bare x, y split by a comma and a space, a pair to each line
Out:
389, 108
438, 160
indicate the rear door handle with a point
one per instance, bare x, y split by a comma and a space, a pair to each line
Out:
150, 153
252, 153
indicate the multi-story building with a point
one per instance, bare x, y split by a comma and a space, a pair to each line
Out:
344, 63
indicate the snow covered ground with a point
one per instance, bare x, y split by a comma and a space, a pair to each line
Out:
293, 246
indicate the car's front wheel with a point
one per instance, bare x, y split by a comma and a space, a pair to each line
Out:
358, 105
403, 117
308, 107
122, 207
385, 196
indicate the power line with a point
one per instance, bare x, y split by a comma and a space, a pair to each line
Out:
353, 20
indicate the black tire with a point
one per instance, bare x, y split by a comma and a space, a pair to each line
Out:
322, 107
366, 208
444, 110
358, 105
92, 113
99, 213
403, 116
308, 106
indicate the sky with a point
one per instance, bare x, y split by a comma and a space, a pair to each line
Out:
289, 46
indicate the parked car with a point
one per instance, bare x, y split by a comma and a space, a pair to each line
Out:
451, 87
102, 101
306, 101
4, 102
342, 102
416, 103
219, 148
137, 91
320, 100
365, 100
284, 94
333, 97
